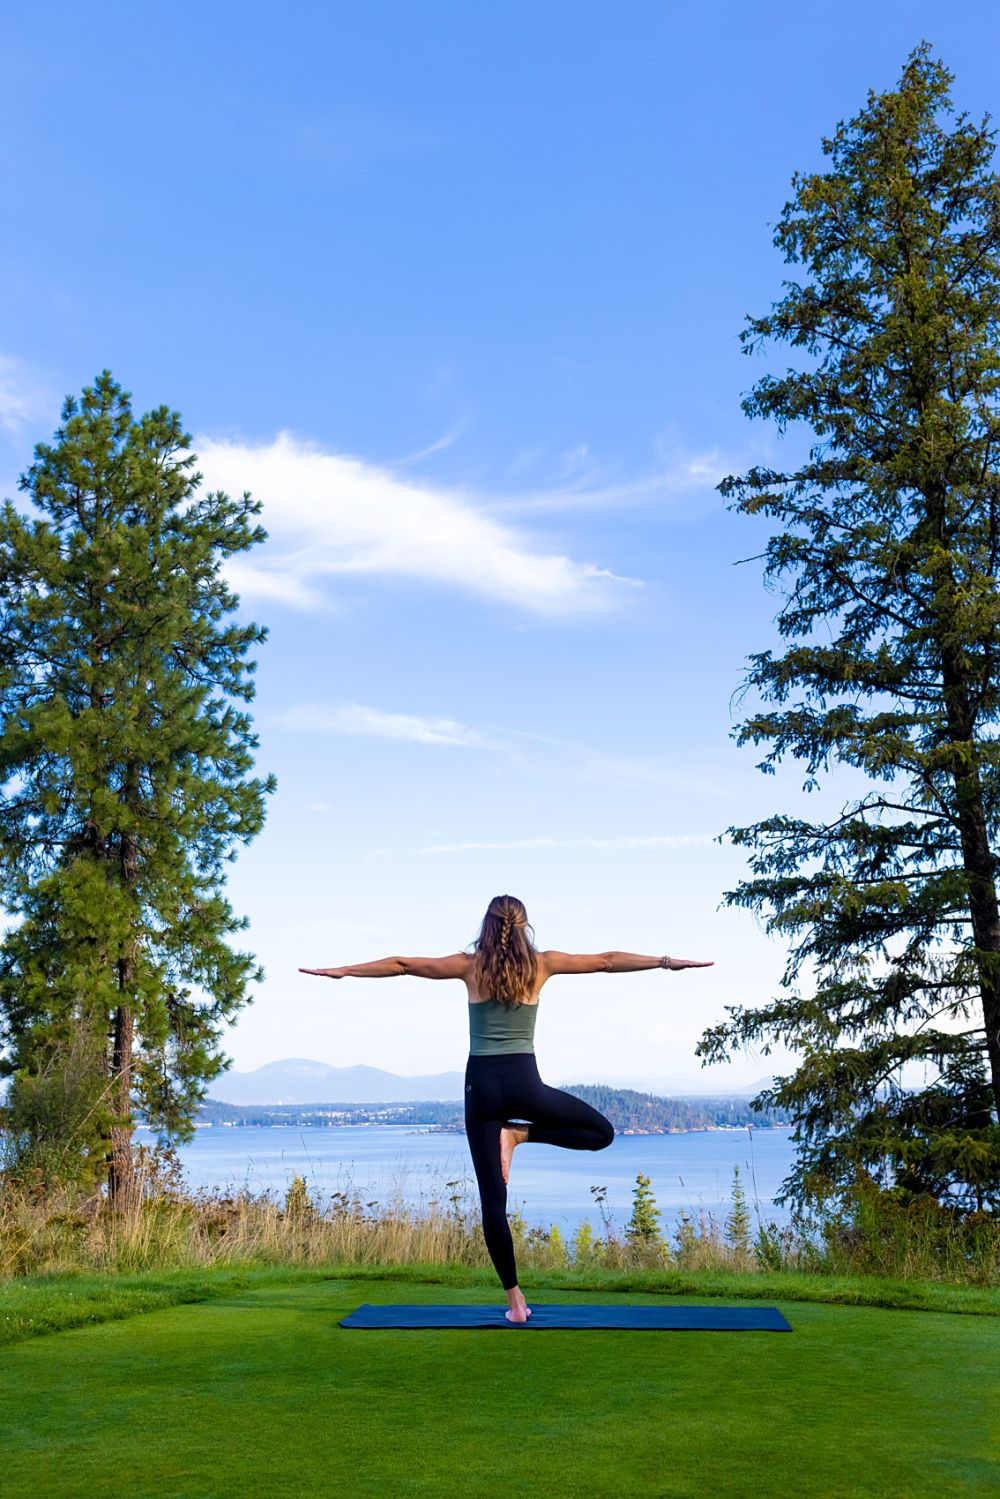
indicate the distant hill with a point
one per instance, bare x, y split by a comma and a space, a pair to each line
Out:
711, 1085
299, 1081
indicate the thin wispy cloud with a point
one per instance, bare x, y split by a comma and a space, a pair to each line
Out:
439, 445
375, 723
655, 840
576, 460
527, 751
677, 480
580, 762
328, 515
22, 396
615, 770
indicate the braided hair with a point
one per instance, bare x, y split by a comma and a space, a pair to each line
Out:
506, 960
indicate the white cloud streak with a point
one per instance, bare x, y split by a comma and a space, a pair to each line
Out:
22, 397
328, 515
354, 718
544, 755
440, 445
656, 840
677, 480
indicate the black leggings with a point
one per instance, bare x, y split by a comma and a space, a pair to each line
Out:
498, 1090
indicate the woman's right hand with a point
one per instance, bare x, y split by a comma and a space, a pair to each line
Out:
324, 973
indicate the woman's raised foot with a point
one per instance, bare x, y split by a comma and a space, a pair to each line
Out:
510, 1136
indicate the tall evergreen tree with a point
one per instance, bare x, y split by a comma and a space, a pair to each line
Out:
123, 767
889, 541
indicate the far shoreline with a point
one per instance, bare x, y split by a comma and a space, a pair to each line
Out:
431, 1129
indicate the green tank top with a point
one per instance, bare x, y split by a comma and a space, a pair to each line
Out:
494, 1029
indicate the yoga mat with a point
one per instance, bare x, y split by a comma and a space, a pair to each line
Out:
548, 1314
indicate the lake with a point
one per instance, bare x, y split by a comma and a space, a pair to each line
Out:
385, 1162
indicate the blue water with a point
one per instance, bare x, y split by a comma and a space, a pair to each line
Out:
382, 1163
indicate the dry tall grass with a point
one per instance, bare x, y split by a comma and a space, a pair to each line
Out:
167, 1226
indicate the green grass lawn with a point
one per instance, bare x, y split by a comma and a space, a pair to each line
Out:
260, 1394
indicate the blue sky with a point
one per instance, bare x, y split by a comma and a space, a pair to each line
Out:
456, 291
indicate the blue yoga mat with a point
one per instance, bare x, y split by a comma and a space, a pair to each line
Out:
548, 1314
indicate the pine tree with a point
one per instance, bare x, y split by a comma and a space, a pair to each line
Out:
890, 540
737, 1226
643, 1226
123, 766
686, 1239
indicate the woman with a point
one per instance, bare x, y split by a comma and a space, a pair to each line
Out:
504, 975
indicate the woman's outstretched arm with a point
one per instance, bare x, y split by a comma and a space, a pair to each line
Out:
452, 967
612, 962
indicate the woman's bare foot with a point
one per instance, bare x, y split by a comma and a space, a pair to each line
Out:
517, 1309
510, 1136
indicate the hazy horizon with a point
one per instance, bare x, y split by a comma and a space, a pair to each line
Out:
304, 1081
343, 1066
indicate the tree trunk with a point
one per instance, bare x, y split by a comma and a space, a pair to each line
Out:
121, 1168
978, 863
122, 1184
985, 915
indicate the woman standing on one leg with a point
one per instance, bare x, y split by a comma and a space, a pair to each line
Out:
504, 975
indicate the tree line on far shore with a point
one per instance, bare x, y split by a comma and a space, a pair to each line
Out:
628, 1111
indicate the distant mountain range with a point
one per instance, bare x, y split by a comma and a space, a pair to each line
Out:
297, 1080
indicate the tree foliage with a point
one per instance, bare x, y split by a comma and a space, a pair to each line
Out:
887, 548
737, 1226
123, 763
644, 1224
